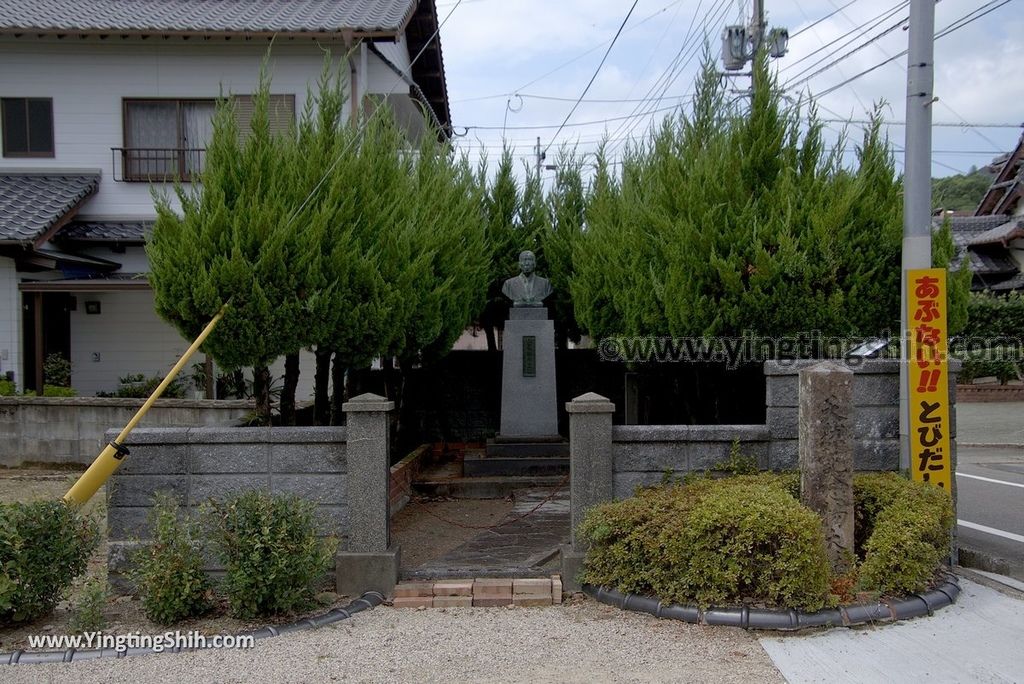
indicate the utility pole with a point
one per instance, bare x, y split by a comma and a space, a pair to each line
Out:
540, 156
740, 44
756, 36
917, 184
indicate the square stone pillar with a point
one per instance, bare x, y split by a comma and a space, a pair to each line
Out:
826, 456
591, 471
368, 559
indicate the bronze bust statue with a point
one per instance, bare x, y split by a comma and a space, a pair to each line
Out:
527, 288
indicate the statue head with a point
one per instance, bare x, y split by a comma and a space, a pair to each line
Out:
527, 262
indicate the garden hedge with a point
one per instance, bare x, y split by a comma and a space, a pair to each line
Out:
748, 539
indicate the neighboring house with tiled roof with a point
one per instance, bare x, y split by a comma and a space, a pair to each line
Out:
1004, 195
991, 246
102, 99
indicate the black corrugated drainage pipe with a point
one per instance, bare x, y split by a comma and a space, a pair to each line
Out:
910, 606
370, 599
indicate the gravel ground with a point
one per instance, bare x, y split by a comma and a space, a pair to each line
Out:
580, 641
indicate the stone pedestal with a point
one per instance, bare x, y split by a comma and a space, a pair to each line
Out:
826, 455
528, 406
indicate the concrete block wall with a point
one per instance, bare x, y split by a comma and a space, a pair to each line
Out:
643, 454
70, 430
199, 464
876, 398
876, 393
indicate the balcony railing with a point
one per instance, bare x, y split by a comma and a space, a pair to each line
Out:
157, 165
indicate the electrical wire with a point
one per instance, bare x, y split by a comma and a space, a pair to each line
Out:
941, 34
366, 121
824, 18
592, 78
675, 68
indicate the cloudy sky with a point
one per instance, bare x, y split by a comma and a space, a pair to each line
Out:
519, 65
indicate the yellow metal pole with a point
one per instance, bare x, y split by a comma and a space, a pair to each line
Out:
112, 455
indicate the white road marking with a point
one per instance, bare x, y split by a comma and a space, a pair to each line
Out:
989, 479
991, 530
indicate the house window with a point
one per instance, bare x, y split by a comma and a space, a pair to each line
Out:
166, 140
27, 126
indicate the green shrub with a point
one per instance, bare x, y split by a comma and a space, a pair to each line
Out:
1001, 363
87, 615
59, 391
43, 546
7, 388
57, 371
168, 571
710, 542
138, 386
907, 532
271, 553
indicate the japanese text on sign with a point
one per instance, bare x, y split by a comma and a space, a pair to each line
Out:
928, 377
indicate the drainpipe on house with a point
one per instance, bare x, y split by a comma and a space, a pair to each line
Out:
114, 453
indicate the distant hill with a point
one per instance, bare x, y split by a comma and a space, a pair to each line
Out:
962, 192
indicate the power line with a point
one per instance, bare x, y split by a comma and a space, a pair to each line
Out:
796, 80
940, 34
575, 59
675, 68
824, 18
366, 121
594, 77
537, 127
874, 21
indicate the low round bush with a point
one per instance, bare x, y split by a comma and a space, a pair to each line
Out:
711, 542
749, 540
905, 530
43, 547
271, 553
168, 571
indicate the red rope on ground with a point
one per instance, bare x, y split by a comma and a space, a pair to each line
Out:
533, 510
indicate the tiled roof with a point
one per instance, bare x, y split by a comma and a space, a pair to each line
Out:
1010, 230
106, 231
207, 16
990, 262
967, 228
31, 203
1014, 283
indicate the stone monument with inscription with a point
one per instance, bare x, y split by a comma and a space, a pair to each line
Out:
527, 441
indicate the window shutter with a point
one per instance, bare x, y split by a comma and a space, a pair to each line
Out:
281, 113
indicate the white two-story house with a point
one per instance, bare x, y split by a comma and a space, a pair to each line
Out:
101, 97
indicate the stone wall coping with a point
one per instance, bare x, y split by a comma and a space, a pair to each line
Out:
591, 402
864, 367
690, 433
127, 403
234, 435
366, 403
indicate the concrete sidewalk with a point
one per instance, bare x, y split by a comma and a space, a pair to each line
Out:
990, 423
978, 639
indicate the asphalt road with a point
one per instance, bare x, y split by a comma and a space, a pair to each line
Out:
990, 482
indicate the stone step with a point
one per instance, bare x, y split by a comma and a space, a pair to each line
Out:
493, 487
509, 448
476, 465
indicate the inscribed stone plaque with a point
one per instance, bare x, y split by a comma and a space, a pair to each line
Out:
529, 356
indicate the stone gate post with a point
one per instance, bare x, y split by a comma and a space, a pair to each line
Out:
368, 560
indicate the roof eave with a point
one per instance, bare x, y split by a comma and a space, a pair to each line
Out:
339, 33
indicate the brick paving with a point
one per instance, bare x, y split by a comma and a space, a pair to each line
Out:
523, 548
481, 592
